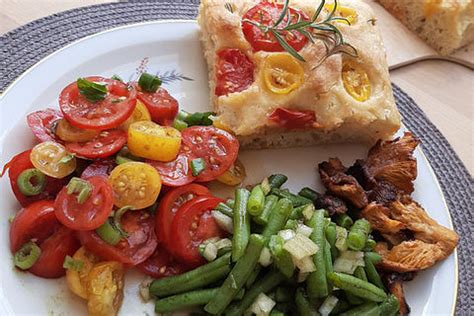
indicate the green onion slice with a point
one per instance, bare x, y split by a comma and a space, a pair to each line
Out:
31, 182
118, 218
124, 155
72, 264
148, 82
179, 125
81, 187
92, 91
116, 77
27, 256
197, 166
108, 233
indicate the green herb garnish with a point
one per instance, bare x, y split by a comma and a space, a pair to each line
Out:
197, 166
67, 158
116, 77
92, 91
72, 264
197, 118
148, 82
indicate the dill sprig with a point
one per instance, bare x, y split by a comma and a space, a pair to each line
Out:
313, 30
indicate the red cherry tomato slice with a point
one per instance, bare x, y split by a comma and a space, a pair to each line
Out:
90, 214
267, 13
217, 147
101, 167
162, 264
162, 106
176, 172
192, 224
169, 205
234, 71
16, 166
42, 123
132, 250
115, 109
291, 119
104, 145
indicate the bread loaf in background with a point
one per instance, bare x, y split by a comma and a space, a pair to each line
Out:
446, 25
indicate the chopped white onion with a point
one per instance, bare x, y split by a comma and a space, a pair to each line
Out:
302, 276
348, 261
223, 243
328, 305
286, 234
262, 306
308, 211
210, 252
265, 258
341, 236
300, 246
224, 221
304, 230
306, 264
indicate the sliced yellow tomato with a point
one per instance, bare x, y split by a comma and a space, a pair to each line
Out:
70, 133
282, 73
220, 125
136, 184
77, 280
344, 12
234, 175
150, 140
53, 159
105, 288
356, 81
140, 113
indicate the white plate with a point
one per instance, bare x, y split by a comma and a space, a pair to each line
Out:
171, 45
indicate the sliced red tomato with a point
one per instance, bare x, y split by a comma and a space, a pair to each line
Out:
92, 213
176, 172
104, 145
193, 224
162, 264
101, 167
162, 106
292, 119
217, 147
16, 166
109, 113
234, 71
169, 205
132, 250
42, 123
266, 14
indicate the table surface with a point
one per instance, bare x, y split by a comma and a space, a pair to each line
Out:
444, 90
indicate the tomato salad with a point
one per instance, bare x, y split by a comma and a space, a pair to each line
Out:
117, 180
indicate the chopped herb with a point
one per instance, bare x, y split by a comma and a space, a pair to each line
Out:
72, 264
199, 118
197, 166
81, 187
116, 77
148, 82
92, 91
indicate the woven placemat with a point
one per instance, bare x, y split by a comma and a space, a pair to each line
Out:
28, 44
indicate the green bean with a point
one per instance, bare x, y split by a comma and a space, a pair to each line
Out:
308, 193
256, 201
366, 309
360, 273
264, 285
296, 200
352, 299
275, 312
344, 220
191, 280
277, 180
253, 276
237, 277
358, 287
370, 244
241, 235
283, 294
358, 234
188, 299
317, 283
291, 224
278, 218
31, 182
372, 274
331, 238
281, 257
373, 257
328, 257
225, 209
270, 202
300, 211
304, 307
390, 306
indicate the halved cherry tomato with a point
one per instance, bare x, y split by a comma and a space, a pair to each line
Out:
109, 113
42, 123
344, 12
292, 119
135, 184
234, 175
174, 173
104, 145
140, 113
282, 73
356, 81
169, 205
53, 159
150, 140
267, 13
162, 106
193, 224
69, 133
138, 246
102, 167
162, 264
234, 71
77, 279
217, 147
90, 214
16, 166
105, 289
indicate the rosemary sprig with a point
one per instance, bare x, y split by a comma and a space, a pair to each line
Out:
229, 7
313, 30
171, 76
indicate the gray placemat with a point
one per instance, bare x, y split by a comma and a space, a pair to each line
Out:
28, 44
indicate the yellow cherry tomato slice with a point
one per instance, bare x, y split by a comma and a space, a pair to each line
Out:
105, 288
77, 279
53, 159
344, 12
69, 133
136, 184
282, 73
356, 81
140, 113
234, 175
152, 141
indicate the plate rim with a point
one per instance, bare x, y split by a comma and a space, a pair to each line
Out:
191, 21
